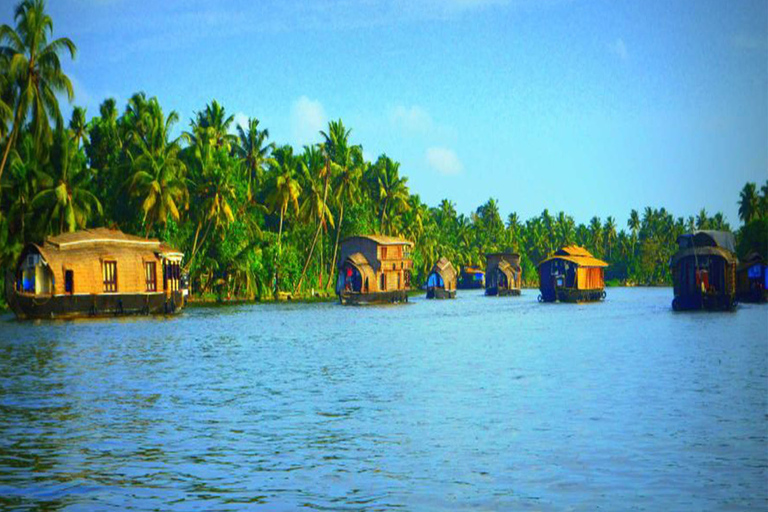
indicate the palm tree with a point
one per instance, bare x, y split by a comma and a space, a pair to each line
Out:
634, 225
749, 203
609, 232
212, 125
317, 168
596, 234
65, 203
393, 191
35, 70
78, 126
285, 193
702, 220
157, 171
253, 150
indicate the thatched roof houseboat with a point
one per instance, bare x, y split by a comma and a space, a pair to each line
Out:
572, 274
752, 279
441, 282
503, 275
95, 272
374, 269
704, 271
471, 278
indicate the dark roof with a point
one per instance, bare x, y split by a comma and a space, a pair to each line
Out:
723, 239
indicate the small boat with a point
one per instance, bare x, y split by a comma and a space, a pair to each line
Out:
441, 282
471, 278
752, 279
96, 272
374, 269
503, 275
704, 271
571, 274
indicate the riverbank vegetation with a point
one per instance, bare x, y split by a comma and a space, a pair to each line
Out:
255, 216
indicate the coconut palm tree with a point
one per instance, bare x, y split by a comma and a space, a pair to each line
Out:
392, 193
34, 70
254, 152
596, 235
634, 225
286, 193
749, 203
317, 168
78, 126
65, 204
609, 233
212, 125
702, 220
157, 171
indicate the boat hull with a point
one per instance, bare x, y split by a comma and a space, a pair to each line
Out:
704, 302
91, 306
440, 293
502, 292
356, 298
572, 295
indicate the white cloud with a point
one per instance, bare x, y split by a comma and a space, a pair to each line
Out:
413, 119
619, 49
444, 160
307, 119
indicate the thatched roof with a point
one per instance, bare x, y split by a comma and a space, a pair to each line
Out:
98, 236
445, 269
723, 239
359, 261
575, 254
704, 251
508, 269
382, 239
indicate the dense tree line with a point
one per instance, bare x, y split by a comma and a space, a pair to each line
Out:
253, 216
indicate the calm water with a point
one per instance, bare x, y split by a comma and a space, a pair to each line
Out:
478, 403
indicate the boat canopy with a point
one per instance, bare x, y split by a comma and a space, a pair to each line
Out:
722, 239
578, 255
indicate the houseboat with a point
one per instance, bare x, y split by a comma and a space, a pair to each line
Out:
752, 279
471, 278
441, 282
95, 272
503, 275
571, 274
374, 269
704, 271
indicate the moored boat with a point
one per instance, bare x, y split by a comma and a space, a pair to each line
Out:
503, 274
374, 269
704, 271
471, 278
441, 282
95, 272
571, 274
752, 279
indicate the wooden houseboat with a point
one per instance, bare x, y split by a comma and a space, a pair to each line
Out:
441, 282
503, 275
471, 278
571, 274
752, 279
704, 271
95, 272
374, 269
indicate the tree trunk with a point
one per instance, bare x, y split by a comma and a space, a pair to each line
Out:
336, 245
11, 139
317, 232
383, 212
277, 255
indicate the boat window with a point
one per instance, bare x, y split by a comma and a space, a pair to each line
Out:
69, 281
109, 271
383, 253
150, 274
383, 286
399, 281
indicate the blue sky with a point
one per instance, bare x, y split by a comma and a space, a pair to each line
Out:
591, 107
